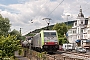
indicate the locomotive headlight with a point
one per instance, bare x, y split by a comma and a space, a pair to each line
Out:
45, 43
56, 43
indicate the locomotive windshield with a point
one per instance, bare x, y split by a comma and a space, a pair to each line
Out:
49, 34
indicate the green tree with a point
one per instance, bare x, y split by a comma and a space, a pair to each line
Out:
61, 29
14, 32
4, 25
8, 45
17, 33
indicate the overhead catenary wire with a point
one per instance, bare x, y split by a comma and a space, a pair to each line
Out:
37, 14
26, 32
51, 11
55, 8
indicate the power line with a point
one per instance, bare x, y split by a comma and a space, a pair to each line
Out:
56, 7
26, 32
42, 7
37, 14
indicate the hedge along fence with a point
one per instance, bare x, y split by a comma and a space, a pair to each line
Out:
37, 55
42, 56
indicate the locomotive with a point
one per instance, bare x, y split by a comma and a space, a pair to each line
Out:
46, 40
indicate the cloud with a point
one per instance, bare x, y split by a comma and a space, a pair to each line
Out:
21, 13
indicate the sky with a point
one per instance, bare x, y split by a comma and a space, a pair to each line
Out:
21, 12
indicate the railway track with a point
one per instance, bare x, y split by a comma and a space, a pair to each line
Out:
69, 56
80, 54
61, 56
83, 56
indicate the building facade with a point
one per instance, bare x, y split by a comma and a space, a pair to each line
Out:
79, 34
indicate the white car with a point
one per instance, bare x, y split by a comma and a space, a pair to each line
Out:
80, 49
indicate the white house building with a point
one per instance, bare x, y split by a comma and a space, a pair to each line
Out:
79, 34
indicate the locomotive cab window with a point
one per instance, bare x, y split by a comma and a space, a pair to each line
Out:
53, 33
48, 34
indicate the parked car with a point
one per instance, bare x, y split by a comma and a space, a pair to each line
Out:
68, 47
80, 49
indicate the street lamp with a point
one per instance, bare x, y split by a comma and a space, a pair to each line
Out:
47, 21
67, 27
67, 21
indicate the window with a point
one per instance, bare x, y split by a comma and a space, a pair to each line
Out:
74, 31
68, 45
53, 33
86, 22
48, 34
82, 42
81, 30
81, 36
81, 22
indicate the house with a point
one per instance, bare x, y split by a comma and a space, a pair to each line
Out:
79, 34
